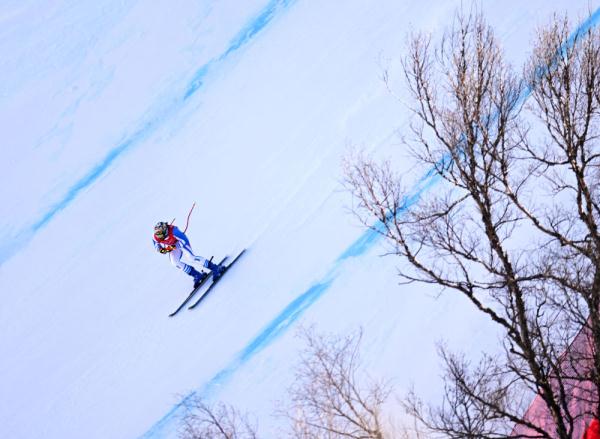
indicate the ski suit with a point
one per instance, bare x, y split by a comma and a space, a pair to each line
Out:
176, 244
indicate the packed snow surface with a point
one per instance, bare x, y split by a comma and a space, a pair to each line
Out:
118, 114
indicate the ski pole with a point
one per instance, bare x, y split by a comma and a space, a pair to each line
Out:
187, 223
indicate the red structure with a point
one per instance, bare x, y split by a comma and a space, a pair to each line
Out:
581, 395
593, 431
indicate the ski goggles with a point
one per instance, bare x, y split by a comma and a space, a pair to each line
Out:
160, 232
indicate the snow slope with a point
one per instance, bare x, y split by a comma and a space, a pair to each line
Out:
119, 114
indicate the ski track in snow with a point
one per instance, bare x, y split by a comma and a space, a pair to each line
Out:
292, 312
146, 128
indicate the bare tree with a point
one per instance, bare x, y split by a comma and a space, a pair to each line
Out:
330, 397
514, 227
219, 421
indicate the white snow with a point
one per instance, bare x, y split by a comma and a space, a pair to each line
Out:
116, 115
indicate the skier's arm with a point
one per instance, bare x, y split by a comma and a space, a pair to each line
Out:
159, 248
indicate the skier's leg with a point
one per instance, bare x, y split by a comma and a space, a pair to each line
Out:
217, 270
175, 257
187, 249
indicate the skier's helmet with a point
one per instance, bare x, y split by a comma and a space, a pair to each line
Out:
161, 230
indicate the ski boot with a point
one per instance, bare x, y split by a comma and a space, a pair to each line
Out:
217, 270
198, 276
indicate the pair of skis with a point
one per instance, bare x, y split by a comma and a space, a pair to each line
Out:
189, 298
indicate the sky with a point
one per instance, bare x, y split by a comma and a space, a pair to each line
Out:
119, 114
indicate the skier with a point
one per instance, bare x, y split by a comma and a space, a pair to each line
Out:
169, 239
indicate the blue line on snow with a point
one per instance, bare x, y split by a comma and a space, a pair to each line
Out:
291, 313
11, 245
267, 14
241, 39
272, 331
86, 181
